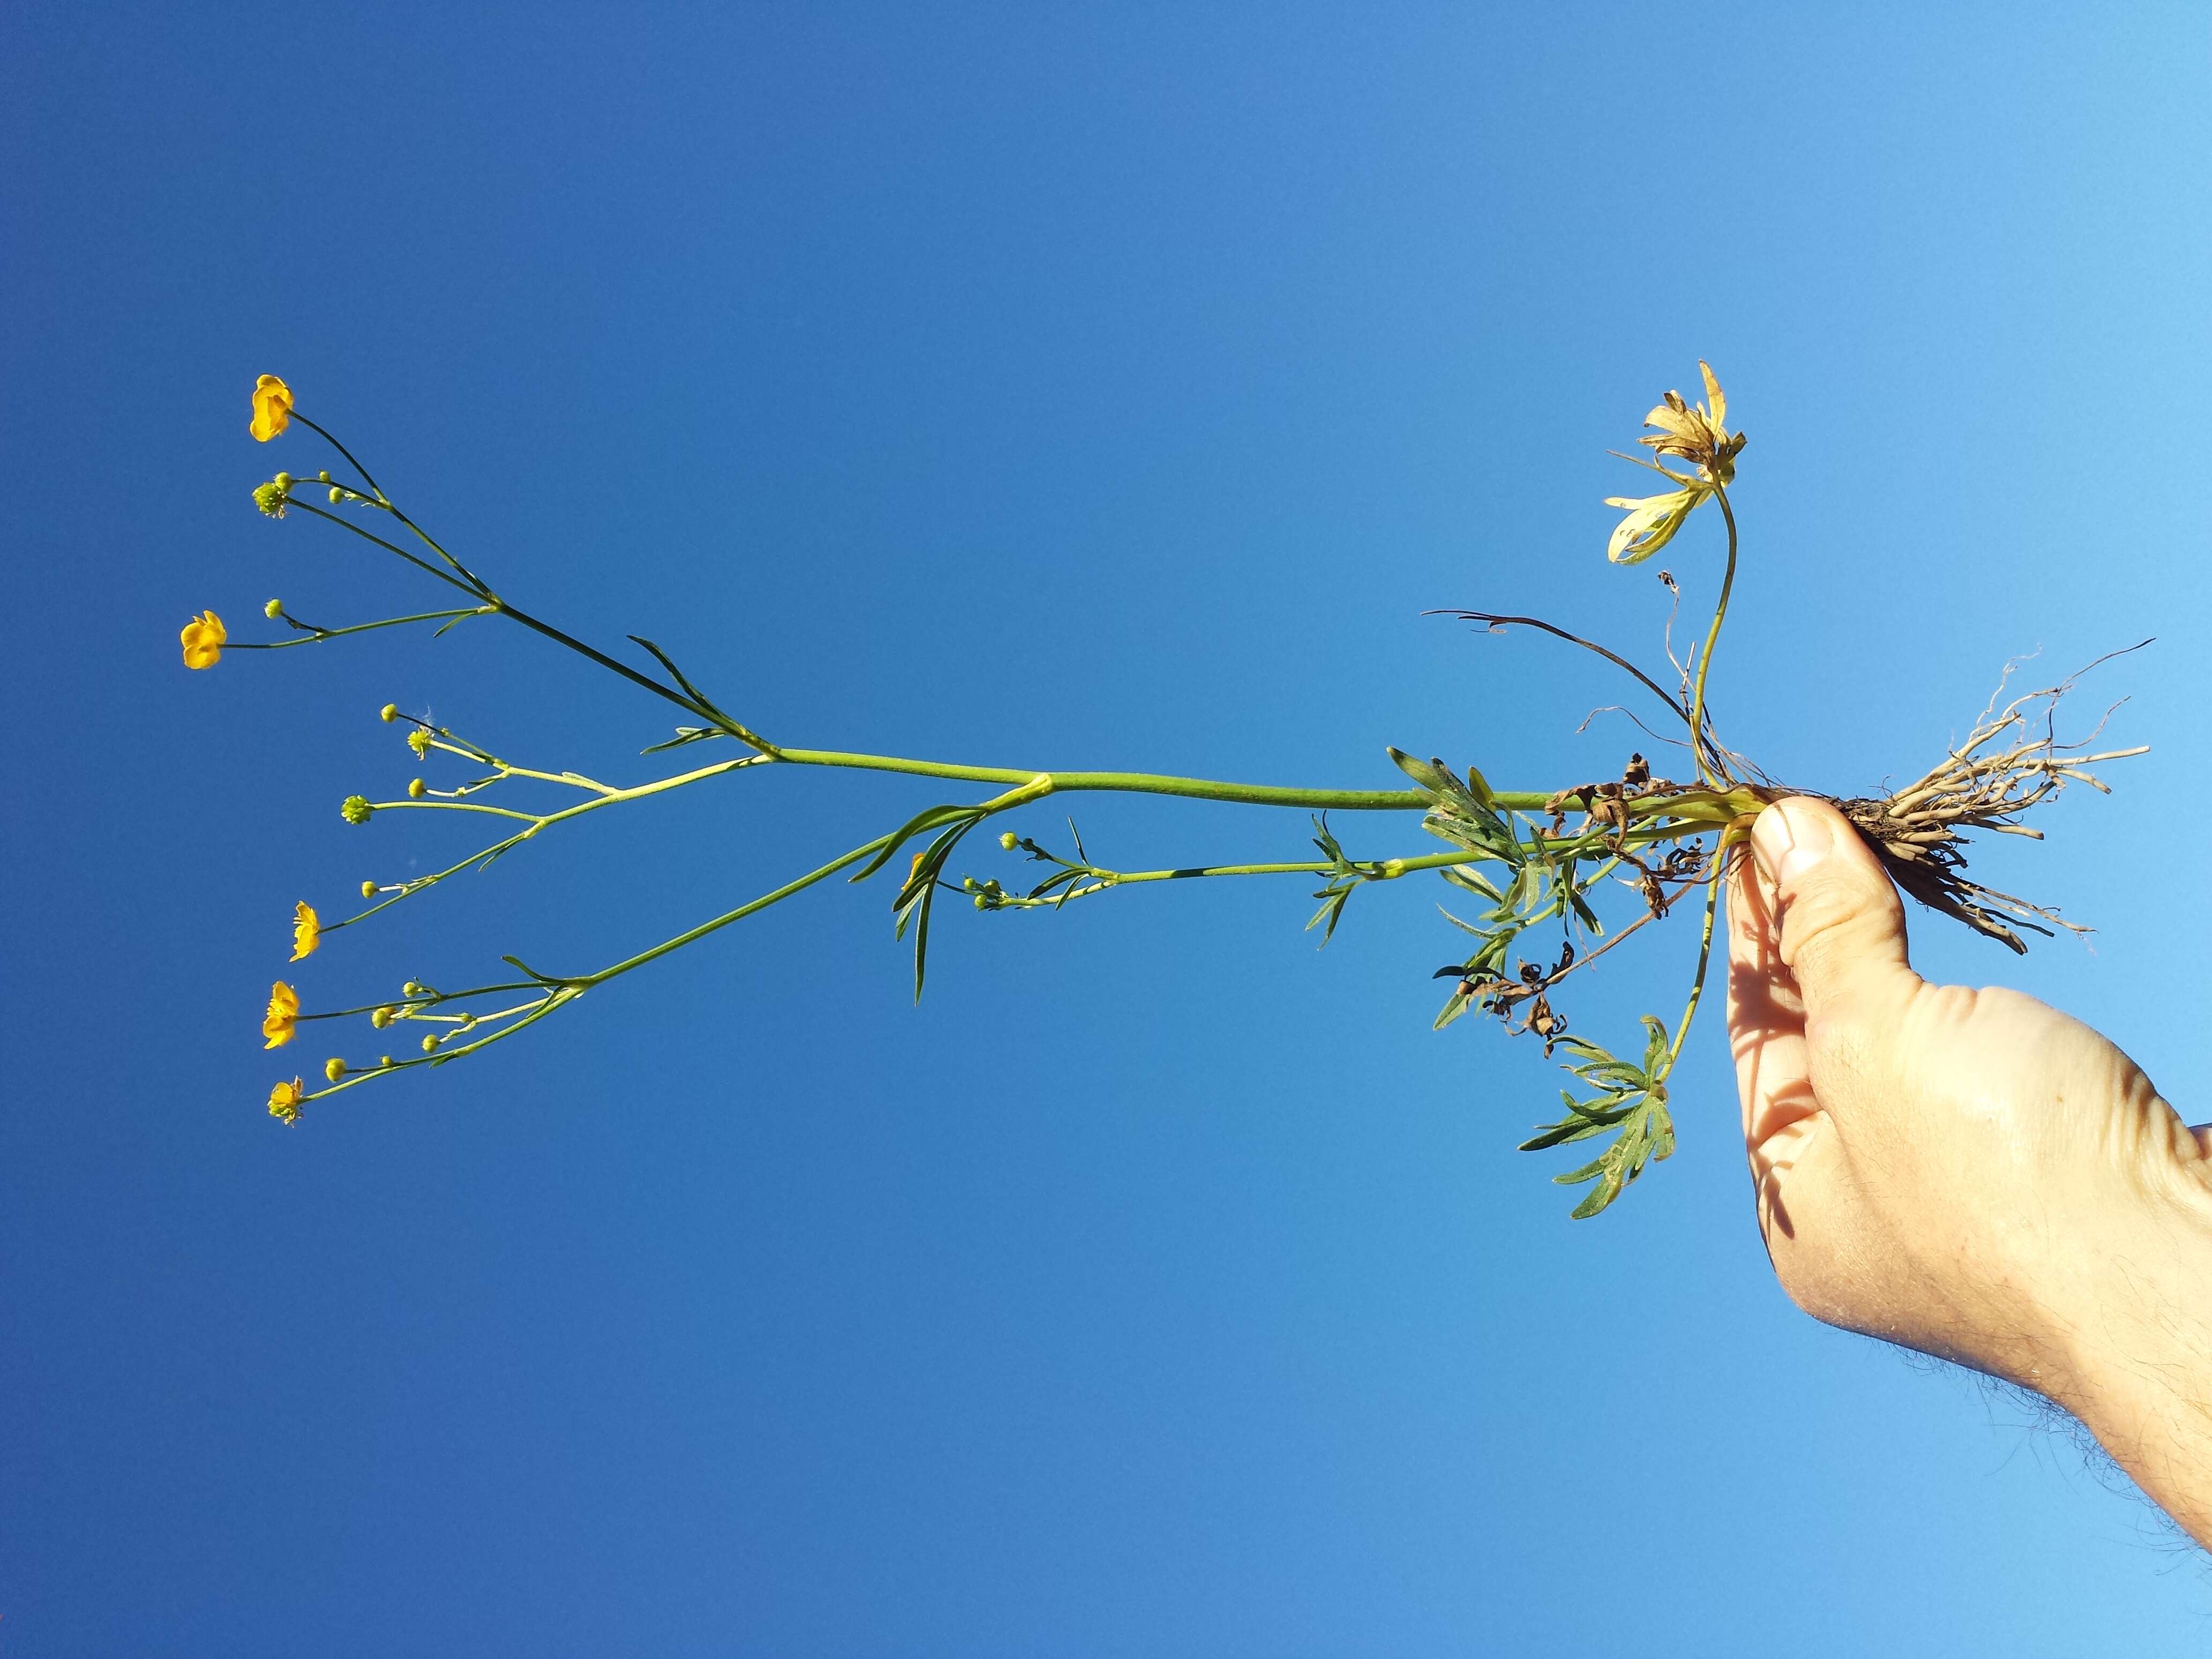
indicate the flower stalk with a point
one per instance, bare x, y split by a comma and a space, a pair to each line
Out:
1539, 865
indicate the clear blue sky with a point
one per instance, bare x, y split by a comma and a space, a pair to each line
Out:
1059, 388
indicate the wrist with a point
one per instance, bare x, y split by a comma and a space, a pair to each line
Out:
2133, 1352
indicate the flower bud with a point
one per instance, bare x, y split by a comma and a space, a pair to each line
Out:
334, 1069
273, 610
430, 1043
337, 496
381, 1018
1010, 841
411, 989
389, 713
416, 789
383, 1061
355, 809
324, 476
368, 889
283, 481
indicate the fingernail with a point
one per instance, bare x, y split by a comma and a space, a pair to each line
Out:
1791, 838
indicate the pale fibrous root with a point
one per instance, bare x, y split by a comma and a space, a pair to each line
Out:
2009, 762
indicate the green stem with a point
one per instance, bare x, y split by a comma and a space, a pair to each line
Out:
1148, 783
720, 722
445, 576
1704, 959
314, 634
1709, 766
343, 451
727, 917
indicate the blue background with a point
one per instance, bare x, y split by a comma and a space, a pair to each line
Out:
1052, 388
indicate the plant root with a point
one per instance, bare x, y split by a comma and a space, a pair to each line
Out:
2009, 764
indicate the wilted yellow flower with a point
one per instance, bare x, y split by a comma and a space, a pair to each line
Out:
1651, 522
419, 740
272, 408
307, 931
284, 1013
1698, 434
284, 1101
202, 640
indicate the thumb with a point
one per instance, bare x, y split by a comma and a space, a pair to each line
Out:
1841, 926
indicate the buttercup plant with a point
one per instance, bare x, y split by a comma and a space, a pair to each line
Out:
1526, 860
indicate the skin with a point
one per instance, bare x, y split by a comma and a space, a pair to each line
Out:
1970, 1173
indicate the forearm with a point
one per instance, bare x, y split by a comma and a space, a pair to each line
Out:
2139, 1371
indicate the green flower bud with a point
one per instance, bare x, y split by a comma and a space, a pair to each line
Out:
416, 789
381, 1018
337, 495
324, 476
431, 1044
273, 610
334, 1068
355, 809
283, 481
1010, 841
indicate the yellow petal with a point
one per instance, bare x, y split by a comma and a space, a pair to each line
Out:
1676, 422
1716, 399
1650, 524
278, 1023
203, 638
272, 408
307, 931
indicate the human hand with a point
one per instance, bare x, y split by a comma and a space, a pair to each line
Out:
1970, 1173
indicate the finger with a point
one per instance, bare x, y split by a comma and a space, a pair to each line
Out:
1842, 934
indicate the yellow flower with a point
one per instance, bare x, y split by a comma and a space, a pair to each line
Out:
272, 408
1697, 433
284, 1101
307, 932
202, 640
1651, 522
284, 1012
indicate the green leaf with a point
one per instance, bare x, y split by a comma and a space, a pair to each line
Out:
1420, 771
1326, 842
914, 826
1464, 927
1460, 876
684, 734
1332, 909
667, 662
1590, 1171
1607, 1189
